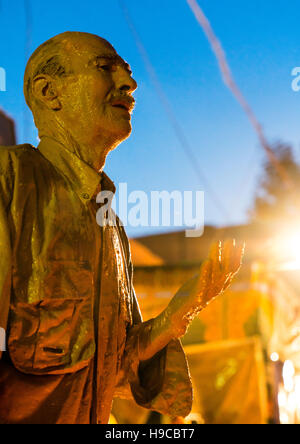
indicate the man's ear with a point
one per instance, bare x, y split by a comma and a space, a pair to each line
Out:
45, 91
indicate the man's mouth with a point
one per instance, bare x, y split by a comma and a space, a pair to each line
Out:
125, 104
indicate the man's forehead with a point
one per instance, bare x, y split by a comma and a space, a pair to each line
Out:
90, 46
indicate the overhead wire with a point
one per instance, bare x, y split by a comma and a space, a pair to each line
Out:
178, 130
235, 90
27, 48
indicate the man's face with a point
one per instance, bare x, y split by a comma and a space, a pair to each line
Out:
97, 97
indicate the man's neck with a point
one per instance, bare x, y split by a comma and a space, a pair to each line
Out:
93, 155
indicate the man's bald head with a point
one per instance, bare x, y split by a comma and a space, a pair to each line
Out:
54, 58
79, 89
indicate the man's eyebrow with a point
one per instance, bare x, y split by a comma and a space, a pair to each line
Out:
114, 58
107, 56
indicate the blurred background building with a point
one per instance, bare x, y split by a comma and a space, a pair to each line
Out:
241, 347
7, 130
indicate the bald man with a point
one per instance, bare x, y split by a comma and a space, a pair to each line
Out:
74, 334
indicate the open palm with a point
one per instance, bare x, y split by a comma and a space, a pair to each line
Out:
215, 275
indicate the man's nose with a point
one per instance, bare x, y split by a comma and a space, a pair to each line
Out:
124, 81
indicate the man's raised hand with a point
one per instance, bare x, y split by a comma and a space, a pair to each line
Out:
216, 274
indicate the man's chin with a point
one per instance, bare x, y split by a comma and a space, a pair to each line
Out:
115, 132
123, 130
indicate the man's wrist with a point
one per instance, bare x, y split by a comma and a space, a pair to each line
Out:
154, 339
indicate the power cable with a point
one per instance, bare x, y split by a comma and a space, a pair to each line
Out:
27, 48
231, 84
178, 130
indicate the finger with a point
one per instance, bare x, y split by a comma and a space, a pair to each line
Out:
218, 283
205, 275
215, 251
216, 258
239, 254
236, 264
233, 254
228, 281
228, 255
230, 263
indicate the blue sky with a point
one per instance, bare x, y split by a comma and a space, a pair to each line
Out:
262, 42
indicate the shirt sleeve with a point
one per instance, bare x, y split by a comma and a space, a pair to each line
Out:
163, 382
6, 178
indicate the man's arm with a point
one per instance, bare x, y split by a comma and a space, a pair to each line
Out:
154, 363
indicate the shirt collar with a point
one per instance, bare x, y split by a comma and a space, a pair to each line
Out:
85, 180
